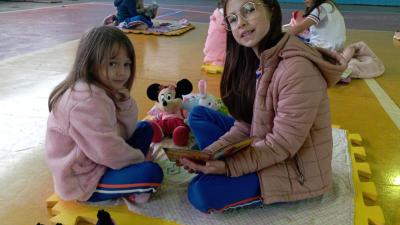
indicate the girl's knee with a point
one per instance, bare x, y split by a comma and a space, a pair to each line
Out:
197, 195
153, 170
145, 127
142, 136
197, 113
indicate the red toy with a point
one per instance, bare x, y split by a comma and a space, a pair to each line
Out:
169, 116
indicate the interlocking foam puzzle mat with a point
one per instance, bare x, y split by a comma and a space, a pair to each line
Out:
166, 28
364, 214
344, 204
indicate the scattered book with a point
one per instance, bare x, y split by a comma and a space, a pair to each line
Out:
174, 154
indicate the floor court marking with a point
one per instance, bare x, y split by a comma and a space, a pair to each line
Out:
168, 14
386, 102
187, 10
46, 7
5, 61
162, 7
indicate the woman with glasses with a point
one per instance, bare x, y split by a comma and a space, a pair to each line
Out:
275, 89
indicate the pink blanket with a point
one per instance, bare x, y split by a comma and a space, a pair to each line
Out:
362, 61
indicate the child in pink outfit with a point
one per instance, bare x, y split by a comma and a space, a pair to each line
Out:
214, 49
95, 146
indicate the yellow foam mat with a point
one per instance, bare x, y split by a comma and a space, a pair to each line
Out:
363, 214
171, 33
72, 213
212, 69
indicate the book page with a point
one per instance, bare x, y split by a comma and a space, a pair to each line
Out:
174, 154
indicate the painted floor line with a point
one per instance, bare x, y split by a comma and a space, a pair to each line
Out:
14, 58
387, 103
169, 8
168, 14
46, 7
187, 10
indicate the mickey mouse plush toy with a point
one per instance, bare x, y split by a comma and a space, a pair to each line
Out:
169, 119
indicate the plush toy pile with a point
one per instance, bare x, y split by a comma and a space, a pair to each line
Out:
173, 105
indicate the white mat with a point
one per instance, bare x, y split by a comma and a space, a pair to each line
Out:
335, 207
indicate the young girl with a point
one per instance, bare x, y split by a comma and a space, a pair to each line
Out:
95, 147
275, 88
325, 24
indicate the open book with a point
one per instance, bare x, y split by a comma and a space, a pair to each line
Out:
174, 154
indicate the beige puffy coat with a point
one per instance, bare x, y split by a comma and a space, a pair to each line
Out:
292, 150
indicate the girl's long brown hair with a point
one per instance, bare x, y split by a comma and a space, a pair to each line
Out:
95, 49
238, 82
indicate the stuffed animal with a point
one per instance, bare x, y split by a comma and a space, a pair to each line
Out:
104, 218
207, 100
151, 10
202, 98
169, 116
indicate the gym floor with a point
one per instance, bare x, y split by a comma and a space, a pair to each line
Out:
37, 45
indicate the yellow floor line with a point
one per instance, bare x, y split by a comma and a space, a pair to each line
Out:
387, 103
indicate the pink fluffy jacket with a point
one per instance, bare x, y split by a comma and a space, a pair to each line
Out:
215, 46
86, 135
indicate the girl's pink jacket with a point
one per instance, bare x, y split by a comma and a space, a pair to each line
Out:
85, 135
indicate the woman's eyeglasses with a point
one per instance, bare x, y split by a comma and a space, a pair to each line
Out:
246, 12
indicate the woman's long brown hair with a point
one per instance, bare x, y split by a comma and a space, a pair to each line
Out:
95, 49
238, 82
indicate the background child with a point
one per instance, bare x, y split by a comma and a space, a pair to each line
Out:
134, 15
325, 23
215, 45
94, 145
275, 88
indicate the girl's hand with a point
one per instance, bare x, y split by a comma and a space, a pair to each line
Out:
122, 94
149, 156
211, 167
